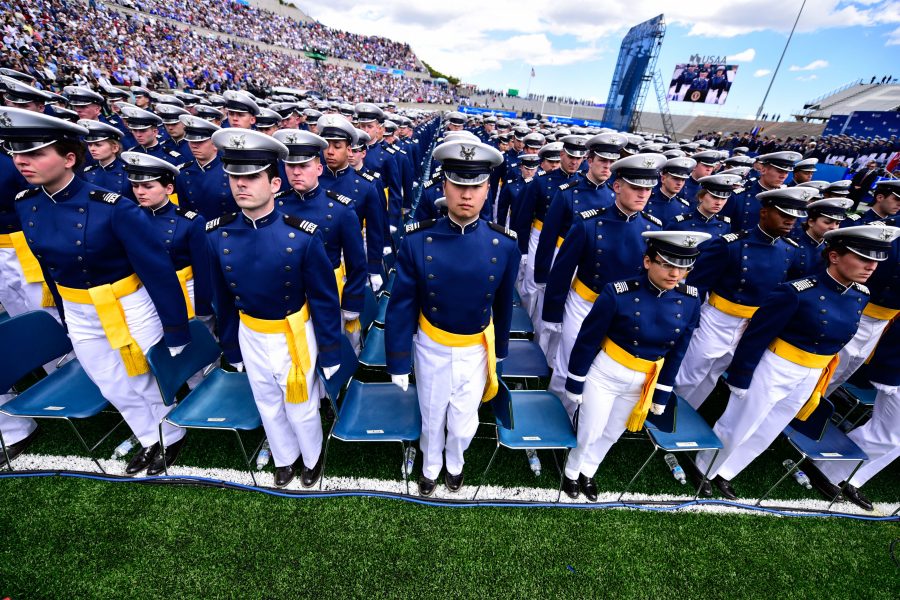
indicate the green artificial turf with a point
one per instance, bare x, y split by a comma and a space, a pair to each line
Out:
85, 539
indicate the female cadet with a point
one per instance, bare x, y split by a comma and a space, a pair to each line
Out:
628, 350
104, 142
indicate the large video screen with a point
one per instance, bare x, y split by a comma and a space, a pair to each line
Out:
706, 83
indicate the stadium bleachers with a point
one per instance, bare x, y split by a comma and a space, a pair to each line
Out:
874, 97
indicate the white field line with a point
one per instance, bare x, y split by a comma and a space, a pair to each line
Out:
40, 462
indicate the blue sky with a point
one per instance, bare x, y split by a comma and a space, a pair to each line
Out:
572, 45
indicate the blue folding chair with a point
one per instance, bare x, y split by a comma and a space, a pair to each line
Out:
531, 420
678, 429
856, 397
222, 401
369, 312
526, 361
388, 284
521, 326
373, 353
29, 341
517, 299
382, 310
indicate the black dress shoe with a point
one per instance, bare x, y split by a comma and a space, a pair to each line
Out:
142, 459
284, 475
426, 486
309, 477
570, 487
725, 487
855, 496
161, 463
453, 482
588, 487
821, 483
697, 479
14, 450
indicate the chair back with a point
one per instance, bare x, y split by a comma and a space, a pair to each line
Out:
814, 426
666, 421
502, 406
172, 372
28, 341
370, 309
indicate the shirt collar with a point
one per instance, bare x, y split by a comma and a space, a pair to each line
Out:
834, 284
703, 217
588, 180
161, 209
622, 214
818, 242
67, 191
304, 196
766, 237
261, 221
462, 228
652, 287
339, 172
208, 165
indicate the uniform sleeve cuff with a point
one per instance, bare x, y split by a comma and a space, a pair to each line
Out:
575, 387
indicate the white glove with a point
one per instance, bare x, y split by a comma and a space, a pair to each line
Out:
524, 260
393, 229
738, 392
330, 371
401, 381
554, 327
376, 282
349, 316
177, 350
657, 409
387, 250
575, 398
238, 366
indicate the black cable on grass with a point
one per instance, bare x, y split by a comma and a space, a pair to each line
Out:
893, 554
648, 505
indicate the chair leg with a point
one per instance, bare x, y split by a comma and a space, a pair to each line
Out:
109, 433
244, 453
405, 473
783, 477
847, 414
561, 472
325, 458
636, 475
705, 474
162, 449
484, 475
846, 483
87, 448
5, 453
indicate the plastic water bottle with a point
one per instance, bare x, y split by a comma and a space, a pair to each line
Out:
677, 471
534, 462
125, 447
265, 453
409, 461
799, 475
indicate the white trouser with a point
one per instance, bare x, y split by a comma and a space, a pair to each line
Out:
137, 398
857, 351
709, 353
611, 392
576, 310
532, 295
293, 429
879, 438
748, 426
450, 383
546, 339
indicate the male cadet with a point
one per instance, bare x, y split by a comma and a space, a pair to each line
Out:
143, 125
84, 101
334, 214
241, 109
268, 121
141, 96
738, 271
339, 178
202, 186
22, 95
706, 163
380, 158
603, 245
821, 217
455, 121
884, 207
276, 303
528, 218
104, 142
210, 113
706, 215
404, 164
452, 303
511, 191
837, 189
171, 115
804, 171
666, 203
743, 208
410, 144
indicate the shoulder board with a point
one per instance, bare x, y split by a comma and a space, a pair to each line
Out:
589, 214
688, 290
108, 197
339, 197
724, 219
739, 190
419, 225
528, 179
187, 214
401, 150
507, 232
89, 168
219, 221
390, 150
623, 287
861, 288
733, 237
680, 218
854, 217
803, 284
185, 165
301, 224
27, 193
565, 186
513, 165
174, 154
375, 174
282, 193
683, 201
791, 242
652, 219
508, 181
539, 173
366, 176
429, 183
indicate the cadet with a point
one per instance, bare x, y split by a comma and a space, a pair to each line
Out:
404, 163
706, 163
332, 212
452, 302
171, 120
22, 95
774, 169
738, 271
268, 121
822, 217
885, 206
339, 178
624, 360
202, 186
711, 198
603, 245
118, 288
666, 203
144, 125
380, 158
786, 357
240, 108
84, 101
104, 142
804, 171
276, 303
511, 191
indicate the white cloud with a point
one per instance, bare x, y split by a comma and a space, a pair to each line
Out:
761, 72
893, 38
746, 56
807, 77
814, 65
